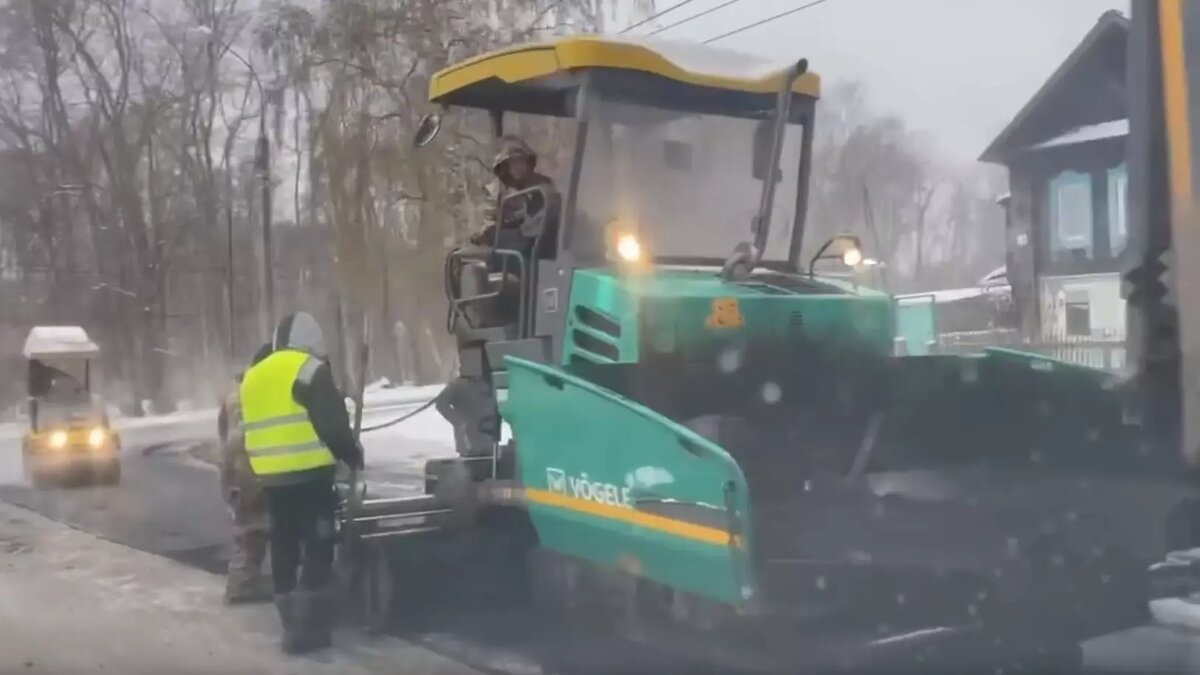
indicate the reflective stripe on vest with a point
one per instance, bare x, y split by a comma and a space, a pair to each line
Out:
280, 439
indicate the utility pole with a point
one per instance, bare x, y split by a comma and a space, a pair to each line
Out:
262, 164
264, 173
211, 50
229, 274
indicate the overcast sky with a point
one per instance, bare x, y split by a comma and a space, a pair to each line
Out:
958, 69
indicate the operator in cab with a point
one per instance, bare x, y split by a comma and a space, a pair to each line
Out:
525, 219
296, 430
525, 213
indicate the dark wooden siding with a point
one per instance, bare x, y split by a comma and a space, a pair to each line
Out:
1038, 169
1020, 260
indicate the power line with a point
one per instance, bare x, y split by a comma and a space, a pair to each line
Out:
769, 19
652, 17
710, 10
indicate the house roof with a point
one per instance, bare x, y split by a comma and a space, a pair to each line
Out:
1034, 122
1087, 133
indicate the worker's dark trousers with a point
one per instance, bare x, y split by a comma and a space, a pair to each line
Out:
302, 534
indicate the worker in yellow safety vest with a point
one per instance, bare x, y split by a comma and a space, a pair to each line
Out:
296, 430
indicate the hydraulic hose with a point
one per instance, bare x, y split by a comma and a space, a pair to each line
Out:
412, 413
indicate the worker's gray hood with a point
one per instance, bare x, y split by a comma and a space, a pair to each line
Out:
300, 331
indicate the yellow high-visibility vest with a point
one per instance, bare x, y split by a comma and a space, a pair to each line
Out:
279, 437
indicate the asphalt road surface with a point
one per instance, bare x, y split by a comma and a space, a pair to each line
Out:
164, 505
168, 504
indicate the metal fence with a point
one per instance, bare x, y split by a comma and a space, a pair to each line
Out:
1108, 354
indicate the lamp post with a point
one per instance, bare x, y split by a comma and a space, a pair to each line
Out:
229, 280
263, 165
262, 168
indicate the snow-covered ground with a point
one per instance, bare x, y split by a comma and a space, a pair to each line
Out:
159, 616
201, 423
425, 433
395, 456
1182, 612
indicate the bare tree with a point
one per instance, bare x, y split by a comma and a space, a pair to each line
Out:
872, 176
393, 212
126, 116
127, 191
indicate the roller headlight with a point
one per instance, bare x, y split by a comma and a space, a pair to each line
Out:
625, 246
98, 437
58, 440
629, 248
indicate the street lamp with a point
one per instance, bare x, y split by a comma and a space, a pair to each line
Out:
262, 168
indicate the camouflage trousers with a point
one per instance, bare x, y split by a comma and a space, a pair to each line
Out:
247, 579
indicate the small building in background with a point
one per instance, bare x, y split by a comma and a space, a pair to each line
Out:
1066, 229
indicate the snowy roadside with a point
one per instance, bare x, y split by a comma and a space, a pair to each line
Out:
395, 456
201, 423
1181, 612
73, 603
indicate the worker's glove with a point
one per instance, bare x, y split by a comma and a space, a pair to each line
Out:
233, 497
355, 460
484, 237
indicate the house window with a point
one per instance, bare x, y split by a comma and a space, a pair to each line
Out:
677, 155
1071, 217
1118, 186
1077, 311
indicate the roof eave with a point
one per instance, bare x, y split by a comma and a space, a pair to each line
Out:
994, 153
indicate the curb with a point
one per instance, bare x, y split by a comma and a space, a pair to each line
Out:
206, 453
182, 446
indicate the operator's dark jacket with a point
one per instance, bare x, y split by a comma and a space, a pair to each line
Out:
327, 410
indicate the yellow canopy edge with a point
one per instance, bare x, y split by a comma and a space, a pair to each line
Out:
526, 63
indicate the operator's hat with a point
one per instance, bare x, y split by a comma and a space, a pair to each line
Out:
512, 146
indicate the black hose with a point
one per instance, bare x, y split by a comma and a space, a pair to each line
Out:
391, 423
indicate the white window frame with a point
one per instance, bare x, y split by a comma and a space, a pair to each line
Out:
1118, 209
1082, 235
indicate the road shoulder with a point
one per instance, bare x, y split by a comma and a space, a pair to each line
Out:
71, 602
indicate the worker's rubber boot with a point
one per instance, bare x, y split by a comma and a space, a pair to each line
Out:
257, 589
287, 606
325, 617
312, 631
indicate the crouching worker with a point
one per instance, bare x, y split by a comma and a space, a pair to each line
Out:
296, 429
246, 581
